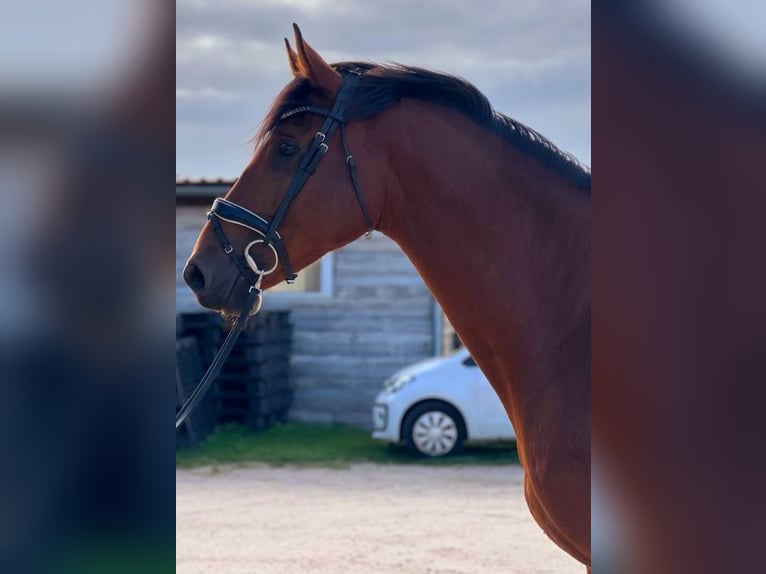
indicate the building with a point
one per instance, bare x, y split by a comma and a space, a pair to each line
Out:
359, 314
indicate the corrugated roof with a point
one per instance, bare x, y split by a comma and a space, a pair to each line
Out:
204, 181
201, 190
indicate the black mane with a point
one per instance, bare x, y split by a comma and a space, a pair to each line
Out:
382, 86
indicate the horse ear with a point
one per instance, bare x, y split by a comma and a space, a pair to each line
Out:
313, 67
292, 57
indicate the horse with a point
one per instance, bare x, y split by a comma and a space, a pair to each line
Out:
495, 218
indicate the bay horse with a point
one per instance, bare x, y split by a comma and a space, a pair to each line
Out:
494, 217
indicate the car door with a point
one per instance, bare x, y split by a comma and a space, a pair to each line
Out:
491, 418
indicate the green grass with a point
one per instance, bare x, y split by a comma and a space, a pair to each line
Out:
322, 445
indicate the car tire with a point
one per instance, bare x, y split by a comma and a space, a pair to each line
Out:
433, 429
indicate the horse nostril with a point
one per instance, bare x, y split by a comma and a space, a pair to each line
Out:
194, 277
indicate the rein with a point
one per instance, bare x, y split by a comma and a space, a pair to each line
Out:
224, 210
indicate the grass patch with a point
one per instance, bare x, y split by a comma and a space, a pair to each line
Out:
323, 445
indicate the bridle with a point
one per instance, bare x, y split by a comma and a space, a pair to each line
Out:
224, 210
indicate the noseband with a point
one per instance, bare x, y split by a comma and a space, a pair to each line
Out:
227, 211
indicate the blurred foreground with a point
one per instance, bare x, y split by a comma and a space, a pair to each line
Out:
86, 286
679, 141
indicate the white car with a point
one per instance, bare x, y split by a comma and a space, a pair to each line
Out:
435, 405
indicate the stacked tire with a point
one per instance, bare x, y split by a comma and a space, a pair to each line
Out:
254, 387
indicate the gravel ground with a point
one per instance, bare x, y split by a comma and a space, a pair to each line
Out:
376, 519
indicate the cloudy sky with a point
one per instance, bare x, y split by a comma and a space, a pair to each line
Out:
530, 57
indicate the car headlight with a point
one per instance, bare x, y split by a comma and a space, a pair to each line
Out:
395, 384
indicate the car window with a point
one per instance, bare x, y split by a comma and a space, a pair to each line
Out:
469, 362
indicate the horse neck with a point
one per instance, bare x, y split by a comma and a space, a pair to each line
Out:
494, 235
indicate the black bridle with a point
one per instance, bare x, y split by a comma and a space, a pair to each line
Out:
227, 211
224, 210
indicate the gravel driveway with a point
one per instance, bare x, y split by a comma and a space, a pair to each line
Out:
375, 519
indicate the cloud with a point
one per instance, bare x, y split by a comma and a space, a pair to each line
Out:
530, 57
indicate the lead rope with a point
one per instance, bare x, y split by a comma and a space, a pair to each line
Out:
253, 299
252, 305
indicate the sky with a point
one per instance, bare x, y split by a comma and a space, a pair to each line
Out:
531, 58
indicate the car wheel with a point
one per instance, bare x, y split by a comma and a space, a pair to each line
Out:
433, 429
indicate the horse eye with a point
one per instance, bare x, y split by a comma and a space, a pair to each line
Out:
288, 148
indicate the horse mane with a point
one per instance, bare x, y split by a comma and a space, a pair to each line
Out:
381, 86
